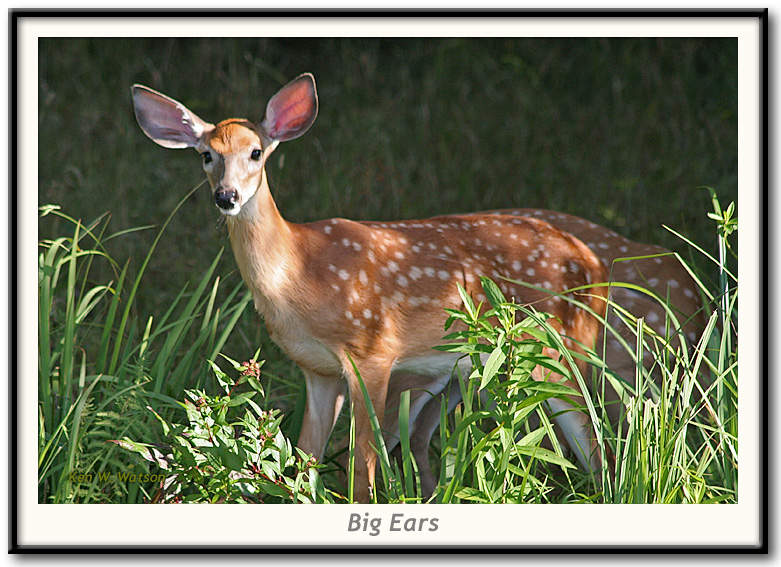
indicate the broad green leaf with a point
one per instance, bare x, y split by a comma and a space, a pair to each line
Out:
492, 366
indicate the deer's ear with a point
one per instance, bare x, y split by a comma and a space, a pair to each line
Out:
166, 121
291, 111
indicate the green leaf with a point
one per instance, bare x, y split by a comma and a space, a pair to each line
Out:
241, 399
221, 376
554, 388
544, 455
492, 366
492, 292
468, 303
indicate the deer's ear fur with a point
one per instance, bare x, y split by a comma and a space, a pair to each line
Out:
292, 111
165, 120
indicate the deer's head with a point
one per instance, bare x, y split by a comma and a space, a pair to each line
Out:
234, 151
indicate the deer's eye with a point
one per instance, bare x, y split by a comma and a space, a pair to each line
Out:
255, 155
207, 157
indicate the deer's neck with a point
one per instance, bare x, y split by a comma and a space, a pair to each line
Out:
264, 247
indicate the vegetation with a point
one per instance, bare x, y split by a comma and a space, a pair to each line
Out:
129, 314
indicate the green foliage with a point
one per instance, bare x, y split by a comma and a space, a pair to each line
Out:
100, 362
230, 450
679, 440
491, 453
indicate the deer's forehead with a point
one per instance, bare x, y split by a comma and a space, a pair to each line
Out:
234, 135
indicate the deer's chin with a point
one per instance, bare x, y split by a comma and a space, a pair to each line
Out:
232, 212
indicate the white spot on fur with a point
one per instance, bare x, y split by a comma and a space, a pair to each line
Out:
327, 229
443, 275
530, 272
653, 317
402, 281
343, 274
393, 266
415, 273
362, 277
429, 272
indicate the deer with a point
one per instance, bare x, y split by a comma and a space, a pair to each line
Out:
363, 302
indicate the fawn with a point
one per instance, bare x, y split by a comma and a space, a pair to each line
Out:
337, 292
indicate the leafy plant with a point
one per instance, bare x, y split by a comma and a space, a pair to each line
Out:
230, 450
493, 449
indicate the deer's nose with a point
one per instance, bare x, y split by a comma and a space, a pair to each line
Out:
225, 198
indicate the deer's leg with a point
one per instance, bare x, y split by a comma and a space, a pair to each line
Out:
324, 398
375, 377
425, 399
425, 425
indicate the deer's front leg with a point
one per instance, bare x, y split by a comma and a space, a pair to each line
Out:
375, 377
324, 399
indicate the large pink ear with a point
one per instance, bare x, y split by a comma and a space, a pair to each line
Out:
291, 111
166, 121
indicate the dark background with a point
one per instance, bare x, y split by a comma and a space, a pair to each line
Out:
620, 131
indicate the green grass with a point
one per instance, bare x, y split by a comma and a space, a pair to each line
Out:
621, 132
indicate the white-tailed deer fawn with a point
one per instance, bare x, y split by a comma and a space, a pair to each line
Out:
373, 292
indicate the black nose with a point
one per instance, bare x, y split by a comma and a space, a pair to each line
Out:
225, 198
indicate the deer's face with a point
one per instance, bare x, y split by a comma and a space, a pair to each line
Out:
233, 155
